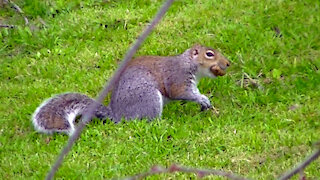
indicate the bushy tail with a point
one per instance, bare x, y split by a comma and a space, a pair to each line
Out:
57, 114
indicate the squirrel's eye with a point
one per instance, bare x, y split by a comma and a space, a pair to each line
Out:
209, 54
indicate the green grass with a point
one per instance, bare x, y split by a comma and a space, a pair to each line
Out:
257, 134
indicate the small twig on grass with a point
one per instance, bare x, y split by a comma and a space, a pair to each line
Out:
176, 168
18, 9
302, 165
6, 26
42, 22
253, 82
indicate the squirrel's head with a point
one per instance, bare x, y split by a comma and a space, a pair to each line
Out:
211, 62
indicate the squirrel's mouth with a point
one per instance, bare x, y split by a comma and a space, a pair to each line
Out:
217, 71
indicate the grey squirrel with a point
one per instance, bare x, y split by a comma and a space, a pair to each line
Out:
142, 89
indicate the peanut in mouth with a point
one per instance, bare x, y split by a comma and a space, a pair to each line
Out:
217, 71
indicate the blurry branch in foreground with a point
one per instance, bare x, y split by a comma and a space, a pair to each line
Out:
300, 167
206, 172
86, 118
177, 168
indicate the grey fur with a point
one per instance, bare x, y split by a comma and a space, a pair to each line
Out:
139, 93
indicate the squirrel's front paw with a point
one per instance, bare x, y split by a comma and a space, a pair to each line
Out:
205, 103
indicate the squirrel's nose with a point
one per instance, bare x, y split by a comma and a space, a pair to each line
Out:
222, 65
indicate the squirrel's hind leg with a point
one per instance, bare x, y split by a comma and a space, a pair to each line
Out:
136, 97
148, 105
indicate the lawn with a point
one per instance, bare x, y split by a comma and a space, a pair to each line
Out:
268, 101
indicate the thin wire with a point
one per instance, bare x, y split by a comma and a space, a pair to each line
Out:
87, 116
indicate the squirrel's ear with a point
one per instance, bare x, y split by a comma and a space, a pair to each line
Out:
194, 53
195, 50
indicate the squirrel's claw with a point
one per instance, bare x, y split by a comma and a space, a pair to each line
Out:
205, 107
205, 103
